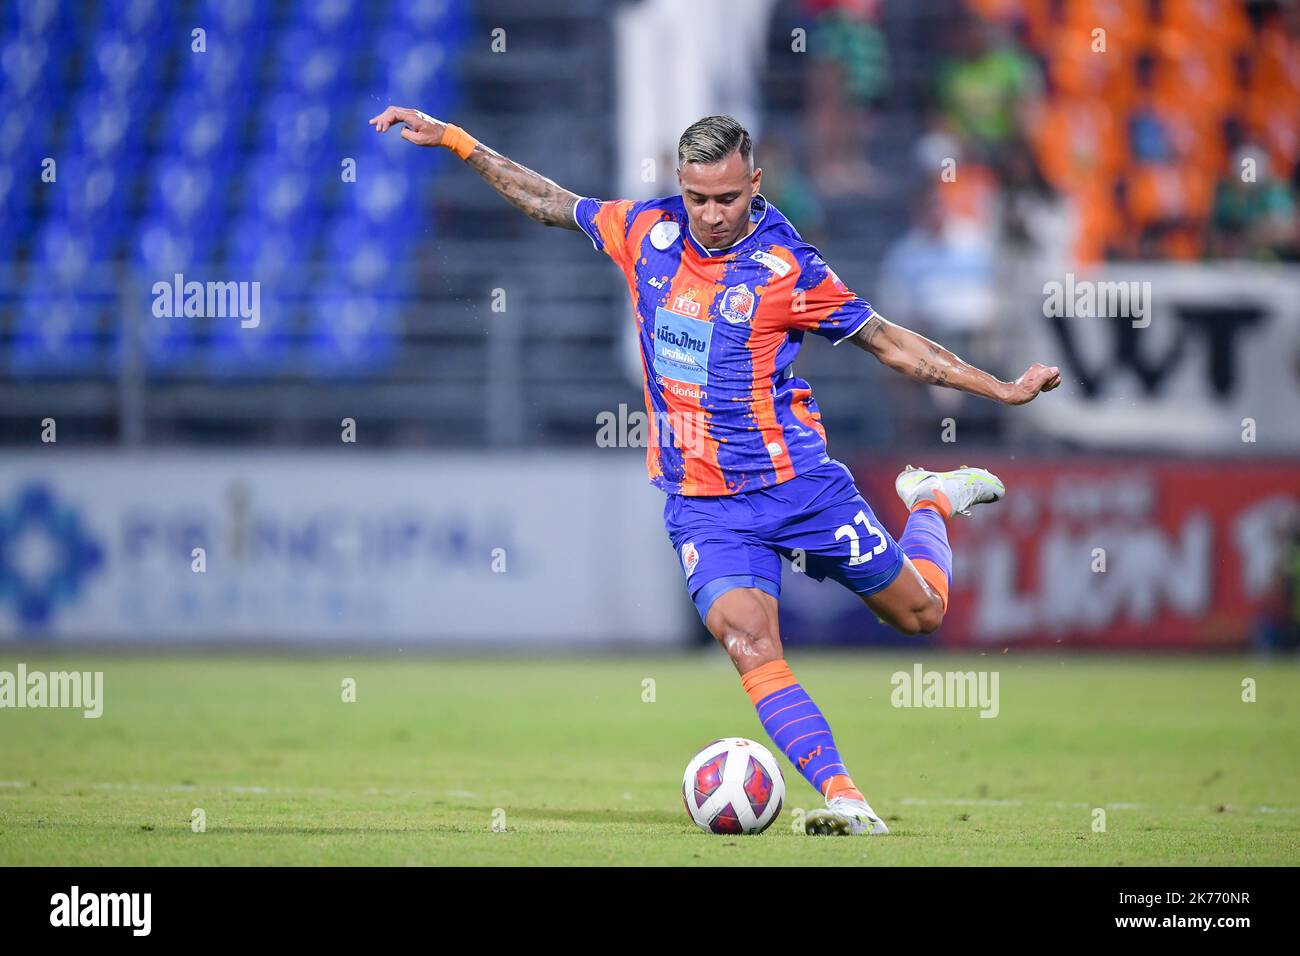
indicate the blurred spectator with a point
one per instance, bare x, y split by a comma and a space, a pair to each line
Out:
987, 88
786, 185
1037, 224
845, 87
1277, 625
1254, 218
938, 280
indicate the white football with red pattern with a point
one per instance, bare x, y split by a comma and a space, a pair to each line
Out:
733, 785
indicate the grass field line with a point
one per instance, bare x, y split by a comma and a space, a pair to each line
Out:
468, 794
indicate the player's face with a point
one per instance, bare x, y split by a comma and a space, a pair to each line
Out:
717, 199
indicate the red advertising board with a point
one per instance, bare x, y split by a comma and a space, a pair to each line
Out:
1114, 552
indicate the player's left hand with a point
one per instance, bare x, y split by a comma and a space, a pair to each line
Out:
419, 128
1037, 378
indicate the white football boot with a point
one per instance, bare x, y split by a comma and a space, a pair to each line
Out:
844, 817
963, 487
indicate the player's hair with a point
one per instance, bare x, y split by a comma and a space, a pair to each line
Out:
713, 139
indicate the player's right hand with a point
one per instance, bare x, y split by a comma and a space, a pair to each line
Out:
421, 128
1037, 378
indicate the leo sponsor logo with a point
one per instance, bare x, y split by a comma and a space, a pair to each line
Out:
737, 304
685, 304
690, 558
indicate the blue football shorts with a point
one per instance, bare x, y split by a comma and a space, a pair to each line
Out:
816, 520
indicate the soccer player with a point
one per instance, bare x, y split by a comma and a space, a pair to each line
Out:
723, 290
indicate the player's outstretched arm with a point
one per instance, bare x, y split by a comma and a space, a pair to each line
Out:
917, 357
532, 194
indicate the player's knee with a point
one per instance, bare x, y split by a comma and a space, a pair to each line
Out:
744, 630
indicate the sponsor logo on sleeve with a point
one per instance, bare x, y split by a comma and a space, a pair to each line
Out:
664, 234
775, 263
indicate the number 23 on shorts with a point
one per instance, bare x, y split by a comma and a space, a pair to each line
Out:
856, 556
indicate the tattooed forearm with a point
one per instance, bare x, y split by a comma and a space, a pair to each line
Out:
531, 193
917, 357
933, 374
868, 332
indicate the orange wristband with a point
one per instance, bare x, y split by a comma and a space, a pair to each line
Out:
458, 141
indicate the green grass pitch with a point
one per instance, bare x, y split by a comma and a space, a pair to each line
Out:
582, 770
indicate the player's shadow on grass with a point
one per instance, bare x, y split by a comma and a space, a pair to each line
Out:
604, 815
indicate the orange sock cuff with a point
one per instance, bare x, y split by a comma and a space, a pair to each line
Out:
941, 504
934, 577
458, 141
841, 785
767, 679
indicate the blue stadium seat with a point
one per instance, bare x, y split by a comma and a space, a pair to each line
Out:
124, 63
312, 65
237, 352
64, 253
164, 246
60, 333
293, 124
29, 66
37, 18
336, 17
202, 128
90, 189
351, 332
145, 19
180, 189
112, 125
222, 165
237, 17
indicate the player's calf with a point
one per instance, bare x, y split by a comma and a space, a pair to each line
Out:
744, 622
922, 619
917, 600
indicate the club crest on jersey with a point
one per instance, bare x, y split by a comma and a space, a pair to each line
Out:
690, 558
737, 304
664, 234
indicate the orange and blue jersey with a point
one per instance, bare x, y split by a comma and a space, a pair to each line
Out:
719, 332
